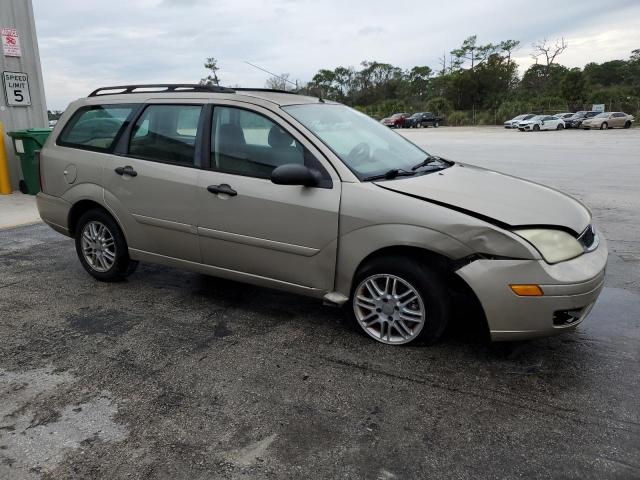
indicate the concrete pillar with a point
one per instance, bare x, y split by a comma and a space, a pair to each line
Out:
18, 14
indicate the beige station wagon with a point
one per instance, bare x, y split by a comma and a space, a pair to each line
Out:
310, 196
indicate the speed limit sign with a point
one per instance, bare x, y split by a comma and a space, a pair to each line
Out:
16, 89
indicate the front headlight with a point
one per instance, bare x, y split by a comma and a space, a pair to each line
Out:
554, 245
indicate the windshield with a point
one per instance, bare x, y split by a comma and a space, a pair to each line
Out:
519, 117
602, 115
364, 145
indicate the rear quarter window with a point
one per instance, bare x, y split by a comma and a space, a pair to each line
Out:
95, 127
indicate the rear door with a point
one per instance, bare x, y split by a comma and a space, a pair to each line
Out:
151, 183
279, 232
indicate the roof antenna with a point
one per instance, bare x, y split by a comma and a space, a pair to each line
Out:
273, 74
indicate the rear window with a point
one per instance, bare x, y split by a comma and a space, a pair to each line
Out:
166, 133
95, 127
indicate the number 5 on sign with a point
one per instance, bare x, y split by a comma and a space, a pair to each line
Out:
16, 89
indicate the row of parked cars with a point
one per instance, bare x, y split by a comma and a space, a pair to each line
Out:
582, 119
407, 120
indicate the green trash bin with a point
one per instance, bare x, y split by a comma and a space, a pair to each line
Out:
26, 143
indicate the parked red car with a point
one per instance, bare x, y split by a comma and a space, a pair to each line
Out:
395, 121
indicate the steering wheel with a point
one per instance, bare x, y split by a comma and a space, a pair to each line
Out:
360, 153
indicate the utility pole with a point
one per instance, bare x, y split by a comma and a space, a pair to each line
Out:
22, 102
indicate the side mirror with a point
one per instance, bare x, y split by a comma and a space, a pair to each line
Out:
295, 174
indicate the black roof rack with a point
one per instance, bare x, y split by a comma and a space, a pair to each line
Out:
274, 90
164, 88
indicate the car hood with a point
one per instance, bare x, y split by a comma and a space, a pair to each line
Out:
494, 197
529, 121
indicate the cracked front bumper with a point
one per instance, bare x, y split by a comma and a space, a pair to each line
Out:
571, 286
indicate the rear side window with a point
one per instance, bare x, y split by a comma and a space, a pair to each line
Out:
95, 127
166, 133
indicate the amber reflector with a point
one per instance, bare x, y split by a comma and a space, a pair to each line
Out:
527, 290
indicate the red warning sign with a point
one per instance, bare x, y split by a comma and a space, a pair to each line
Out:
10, 42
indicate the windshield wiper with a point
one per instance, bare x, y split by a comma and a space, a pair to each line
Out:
427, 161
390, 174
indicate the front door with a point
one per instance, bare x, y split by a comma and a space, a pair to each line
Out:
617, 120
152, 184
250, 225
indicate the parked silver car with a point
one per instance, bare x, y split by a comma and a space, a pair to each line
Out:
513, 123
313, 197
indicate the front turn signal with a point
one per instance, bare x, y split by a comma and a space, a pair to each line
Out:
527, 290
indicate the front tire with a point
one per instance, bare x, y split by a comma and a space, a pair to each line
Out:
436, 124
627, 124
604, 126
397, 301
102, 248
536, 128
560, 127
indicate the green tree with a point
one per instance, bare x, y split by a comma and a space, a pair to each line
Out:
472, 52
418, 78
507, 47
211, 64
574, 88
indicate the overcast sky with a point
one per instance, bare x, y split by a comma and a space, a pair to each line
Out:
85, 44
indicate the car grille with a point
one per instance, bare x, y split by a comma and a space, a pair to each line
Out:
588, 239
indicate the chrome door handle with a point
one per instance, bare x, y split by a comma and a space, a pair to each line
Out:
128, 170
222, 188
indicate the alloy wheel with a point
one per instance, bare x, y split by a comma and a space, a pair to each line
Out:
98, 246
389, 309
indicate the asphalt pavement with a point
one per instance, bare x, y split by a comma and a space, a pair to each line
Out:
173, 374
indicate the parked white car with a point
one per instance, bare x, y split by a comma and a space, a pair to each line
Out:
513, 123
541, 122
564, 116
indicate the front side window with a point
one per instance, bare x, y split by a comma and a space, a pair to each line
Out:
367, 147
166, 133
248, 143
95, 127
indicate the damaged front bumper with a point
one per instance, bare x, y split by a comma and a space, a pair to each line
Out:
570, 289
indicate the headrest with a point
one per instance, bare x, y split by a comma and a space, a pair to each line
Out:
278, 138
231, 134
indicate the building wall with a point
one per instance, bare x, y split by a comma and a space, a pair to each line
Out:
18, 14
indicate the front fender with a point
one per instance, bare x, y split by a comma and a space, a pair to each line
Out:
358, 244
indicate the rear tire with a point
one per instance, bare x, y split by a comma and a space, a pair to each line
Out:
102, 248
436, 124
410, 305
604, 126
